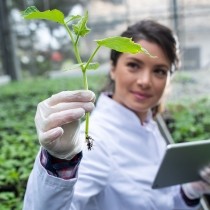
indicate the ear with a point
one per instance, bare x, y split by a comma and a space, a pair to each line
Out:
112, 72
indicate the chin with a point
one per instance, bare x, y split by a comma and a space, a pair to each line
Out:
138, 109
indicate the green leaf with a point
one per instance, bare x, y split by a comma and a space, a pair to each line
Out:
120, 44
52, 15
29, 10
81, 28
93, 66
75, 66
72, 17
146, 52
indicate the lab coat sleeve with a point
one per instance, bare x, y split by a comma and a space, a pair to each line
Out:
46, 192
180, 204
93, 173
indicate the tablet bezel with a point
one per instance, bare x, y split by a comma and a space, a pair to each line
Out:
182, 163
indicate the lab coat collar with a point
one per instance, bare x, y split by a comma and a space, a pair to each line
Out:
107, 105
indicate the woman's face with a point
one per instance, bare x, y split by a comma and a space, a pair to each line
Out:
140, 80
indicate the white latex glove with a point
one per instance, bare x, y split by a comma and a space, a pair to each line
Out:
198, 189
57, 122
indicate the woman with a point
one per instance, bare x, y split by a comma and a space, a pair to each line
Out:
118, 172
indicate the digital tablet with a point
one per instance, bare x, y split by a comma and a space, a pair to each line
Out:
182, 163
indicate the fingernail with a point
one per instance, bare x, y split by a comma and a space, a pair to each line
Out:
88, 94
89, 107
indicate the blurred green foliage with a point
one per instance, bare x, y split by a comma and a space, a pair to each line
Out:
18, 139
189, 120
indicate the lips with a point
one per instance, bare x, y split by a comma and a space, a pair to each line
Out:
140, 95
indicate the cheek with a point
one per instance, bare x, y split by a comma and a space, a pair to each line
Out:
124, 81
161, 88
119, 82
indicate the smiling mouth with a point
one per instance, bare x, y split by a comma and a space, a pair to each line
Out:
141, 96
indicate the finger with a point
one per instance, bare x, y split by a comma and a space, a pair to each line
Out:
205, 187
49, 136
47, 110
61, 118
71, 96
205, 174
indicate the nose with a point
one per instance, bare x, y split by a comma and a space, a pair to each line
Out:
144, 79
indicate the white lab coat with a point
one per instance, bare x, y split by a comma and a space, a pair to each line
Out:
115, 175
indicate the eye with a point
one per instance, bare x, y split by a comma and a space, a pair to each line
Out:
133, 65
161, 72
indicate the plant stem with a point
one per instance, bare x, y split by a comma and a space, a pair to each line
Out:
75, 45
87, 115
77, 39
85, 82
91, 57
69, 32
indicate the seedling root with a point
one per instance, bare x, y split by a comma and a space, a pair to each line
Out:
89, 141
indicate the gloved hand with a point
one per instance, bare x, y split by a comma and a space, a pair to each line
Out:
198, 189
57, 122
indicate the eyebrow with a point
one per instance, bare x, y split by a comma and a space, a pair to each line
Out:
140, 61
162, 66
134, 59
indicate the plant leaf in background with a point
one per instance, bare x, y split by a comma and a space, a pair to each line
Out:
81, 29
53, 15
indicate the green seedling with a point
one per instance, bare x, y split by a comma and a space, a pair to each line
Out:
76, 27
